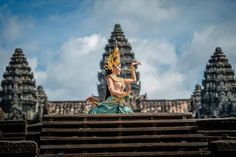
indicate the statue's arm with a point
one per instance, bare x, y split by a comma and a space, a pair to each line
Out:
133, 78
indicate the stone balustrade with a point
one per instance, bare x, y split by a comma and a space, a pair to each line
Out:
146, 106
67, 107
169, 106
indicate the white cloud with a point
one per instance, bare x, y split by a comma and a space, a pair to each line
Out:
156, 51
159, 80
40, 76
74, 75
137, 17
154, 11
33, 63
4, 60
15, 29
59, 94
164, 74
12, 30
84, 45
203, 44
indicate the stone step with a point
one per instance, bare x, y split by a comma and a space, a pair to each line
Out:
217, 123
123, 139
82, 117
12, 130
162, 134
12, 138
34, 127
9, 124
113, 131
218, 132
33, 135
120, 123
136, 154
13, 134
165, 146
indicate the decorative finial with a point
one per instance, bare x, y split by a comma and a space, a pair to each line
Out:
117, 25
198, 87
218, 50
18, 50
40, 88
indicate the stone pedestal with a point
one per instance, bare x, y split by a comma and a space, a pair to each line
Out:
19, 148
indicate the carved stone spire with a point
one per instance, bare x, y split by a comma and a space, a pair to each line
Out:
18, 87
127, 56
219, 87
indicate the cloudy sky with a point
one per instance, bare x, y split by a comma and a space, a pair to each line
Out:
64, 41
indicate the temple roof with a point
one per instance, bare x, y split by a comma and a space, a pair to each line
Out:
218, 93
18, 82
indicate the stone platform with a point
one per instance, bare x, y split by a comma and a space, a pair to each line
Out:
122, 135
159, 134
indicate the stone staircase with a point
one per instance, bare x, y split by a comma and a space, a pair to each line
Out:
13, 140
13, 130
120, 135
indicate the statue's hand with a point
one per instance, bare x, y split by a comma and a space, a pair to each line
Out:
125, 94
135, 63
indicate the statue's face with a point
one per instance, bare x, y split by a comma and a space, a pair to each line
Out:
117, 70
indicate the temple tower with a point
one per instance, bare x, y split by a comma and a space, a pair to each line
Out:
126, 55
19, 93
218, 96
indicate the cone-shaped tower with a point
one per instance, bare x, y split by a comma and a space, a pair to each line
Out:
126, 55
218, 96
18, 88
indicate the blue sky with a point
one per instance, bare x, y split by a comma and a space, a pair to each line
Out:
64, 41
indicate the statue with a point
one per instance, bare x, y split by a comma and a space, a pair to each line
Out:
2, 114
116, 92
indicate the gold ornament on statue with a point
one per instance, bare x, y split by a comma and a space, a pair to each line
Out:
113, 60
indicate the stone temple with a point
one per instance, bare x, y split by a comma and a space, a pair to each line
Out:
215, 98
20, 98
203, 125
139, 103
217, 95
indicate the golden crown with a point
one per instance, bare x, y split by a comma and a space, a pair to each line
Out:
113, 60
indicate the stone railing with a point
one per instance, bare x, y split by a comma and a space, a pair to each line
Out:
146, 106
169, 106
67, 107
